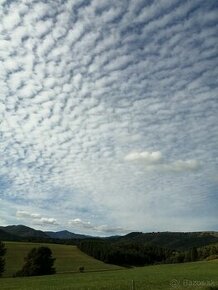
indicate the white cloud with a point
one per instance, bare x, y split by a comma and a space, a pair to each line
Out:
43, 27
36, 218
77, 222
82, 85
46, 221
154, 160
11, 20
22, 213
149, 157
101, 229
183, 165
111, 230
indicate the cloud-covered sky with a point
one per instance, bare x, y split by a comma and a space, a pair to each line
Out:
109, 115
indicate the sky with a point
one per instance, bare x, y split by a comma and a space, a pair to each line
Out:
109, 115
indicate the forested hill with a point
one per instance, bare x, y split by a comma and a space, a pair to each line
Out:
22, 231
18, 232
5, 236
170, 240
139, 248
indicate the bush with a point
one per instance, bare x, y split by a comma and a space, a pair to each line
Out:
81, 269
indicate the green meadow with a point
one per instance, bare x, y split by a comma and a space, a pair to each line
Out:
68, 258
99, 276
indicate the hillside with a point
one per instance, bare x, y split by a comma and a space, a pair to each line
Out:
14, 232
68, 258
5, 236
66, 235
171, 240
158, 277
24, 231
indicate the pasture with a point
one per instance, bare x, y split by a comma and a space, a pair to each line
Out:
68, 258
100, 276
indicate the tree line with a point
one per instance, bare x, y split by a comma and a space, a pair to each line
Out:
139, 254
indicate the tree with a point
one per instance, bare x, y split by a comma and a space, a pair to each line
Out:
194, 254
39, 261
2, 260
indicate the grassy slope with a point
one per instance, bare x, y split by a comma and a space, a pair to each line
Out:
151, 277
68, 258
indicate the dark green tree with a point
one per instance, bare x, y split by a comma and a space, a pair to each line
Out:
2, 260
194, 254
39, 261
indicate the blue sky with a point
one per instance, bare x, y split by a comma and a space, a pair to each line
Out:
108, 115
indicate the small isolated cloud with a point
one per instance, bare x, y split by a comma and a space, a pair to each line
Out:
148, 157
26, 214
79, 223
182, 165
109, 230
102, 229
154, 160
46, 221
36, 218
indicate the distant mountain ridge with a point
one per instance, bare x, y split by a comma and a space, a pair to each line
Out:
5, 236
15, 232
65, 235
171, 240
24, 231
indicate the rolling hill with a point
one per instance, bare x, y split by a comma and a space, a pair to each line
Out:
171, 240
68, 258
5, 236
66, 235
24, 231
15, 232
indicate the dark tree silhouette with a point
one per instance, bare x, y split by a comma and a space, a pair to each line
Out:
194, 254
2, 260
39, 261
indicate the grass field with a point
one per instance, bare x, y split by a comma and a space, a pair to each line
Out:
198, 275
68, 258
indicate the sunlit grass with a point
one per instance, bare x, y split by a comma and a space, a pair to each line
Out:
68, 258
166, 277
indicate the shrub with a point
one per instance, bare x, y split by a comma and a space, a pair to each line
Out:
81, 269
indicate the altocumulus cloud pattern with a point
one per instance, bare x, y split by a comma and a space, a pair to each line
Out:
108, 114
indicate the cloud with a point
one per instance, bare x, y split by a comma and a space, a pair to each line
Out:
180, 165
77, 223
148, 157
22, 213
154, 160
111, 230
37, 218
46, 221
11, 20
90, 91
